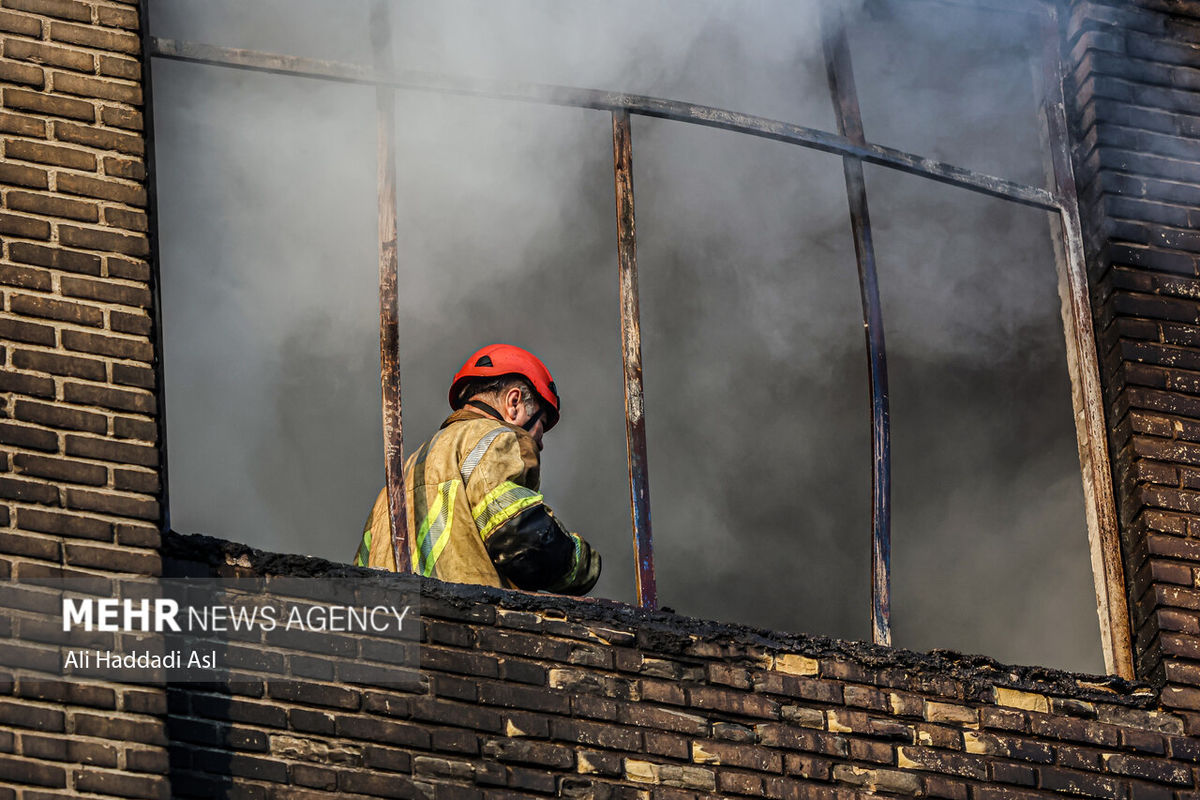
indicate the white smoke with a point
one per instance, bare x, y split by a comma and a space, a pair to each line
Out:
756, 399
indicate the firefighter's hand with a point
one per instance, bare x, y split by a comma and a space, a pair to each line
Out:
585, 570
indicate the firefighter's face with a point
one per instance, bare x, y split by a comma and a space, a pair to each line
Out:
537, 430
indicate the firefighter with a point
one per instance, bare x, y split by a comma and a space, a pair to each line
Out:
474, 509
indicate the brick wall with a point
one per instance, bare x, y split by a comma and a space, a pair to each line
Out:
78, 457
526, 695
1136, 70
79, 428
523, 695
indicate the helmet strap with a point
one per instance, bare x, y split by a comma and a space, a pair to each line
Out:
485, 408
491, 412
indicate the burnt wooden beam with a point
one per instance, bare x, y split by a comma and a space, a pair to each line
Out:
389, 323
631, 361
1104, 538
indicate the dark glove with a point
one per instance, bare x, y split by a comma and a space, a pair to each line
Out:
534, 551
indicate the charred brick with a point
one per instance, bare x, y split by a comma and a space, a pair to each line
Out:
49, 308
18, 435
55, 258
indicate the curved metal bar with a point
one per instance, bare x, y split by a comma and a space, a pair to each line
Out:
609, 101
845, 104
631, 360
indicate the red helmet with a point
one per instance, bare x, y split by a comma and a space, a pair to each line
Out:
498, 360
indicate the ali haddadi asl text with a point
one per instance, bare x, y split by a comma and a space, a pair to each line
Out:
108, 660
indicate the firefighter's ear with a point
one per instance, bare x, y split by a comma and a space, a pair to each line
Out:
511, 404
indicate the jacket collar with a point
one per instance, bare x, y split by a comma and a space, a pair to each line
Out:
466, 415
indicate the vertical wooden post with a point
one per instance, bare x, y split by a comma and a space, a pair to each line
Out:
389, 336
1104, 540
631, 358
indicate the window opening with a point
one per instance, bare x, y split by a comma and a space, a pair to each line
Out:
851, 144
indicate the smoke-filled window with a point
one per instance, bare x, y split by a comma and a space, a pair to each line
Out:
757, 408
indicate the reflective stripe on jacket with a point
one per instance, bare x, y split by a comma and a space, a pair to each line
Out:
477, 516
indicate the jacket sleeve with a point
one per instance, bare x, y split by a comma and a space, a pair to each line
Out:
524, 539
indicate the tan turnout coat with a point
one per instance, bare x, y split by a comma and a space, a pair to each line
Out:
471, 477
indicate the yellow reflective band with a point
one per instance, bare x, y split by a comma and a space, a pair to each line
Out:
431, 536
363, 556
502, 504
576, 560
441, 537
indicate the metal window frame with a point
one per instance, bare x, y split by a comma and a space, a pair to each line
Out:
850, 143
